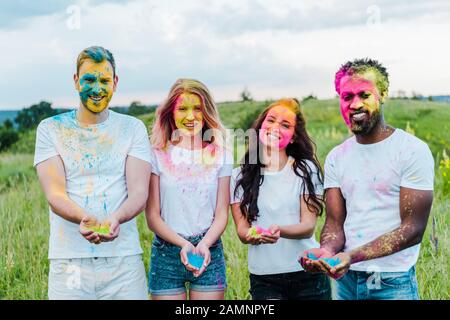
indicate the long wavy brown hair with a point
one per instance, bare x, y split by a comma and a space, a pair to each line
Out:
301, 149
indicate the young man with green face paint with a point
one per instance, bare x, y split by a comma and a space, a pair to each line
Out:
379, 191
95, 82
94, 167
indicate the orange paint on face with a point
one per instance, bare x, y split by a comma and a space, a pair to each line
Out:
278, 127
187, 114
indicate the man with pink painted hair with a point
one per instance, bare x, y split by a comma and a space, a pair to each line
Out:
379, 191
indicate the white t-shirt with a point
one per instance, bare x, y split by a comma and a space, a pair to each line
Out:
370, 177
278, 203
94, 159
188, 186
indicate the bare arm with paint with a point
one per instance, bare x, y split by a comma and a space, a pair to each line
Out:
159, 227
304, 229
332, 237
221, 213
137, 175
154, 219
415, 207
219, 223
243, 226
52, 177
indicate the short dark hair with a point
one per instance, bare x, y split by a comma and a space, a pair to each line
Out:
360, 66
97, 54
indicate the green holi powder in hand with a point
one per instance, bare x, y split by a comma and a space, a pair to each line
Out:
102, 229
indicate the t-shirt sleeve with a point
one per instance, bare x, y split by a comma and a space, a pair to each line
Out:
235, 198
45, 146
330, 172
318, 186
418, 170
154, 161
227, 166
140, 146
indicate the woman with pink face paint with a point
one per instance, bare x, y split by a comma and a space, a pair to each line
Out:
188, 200
278, 190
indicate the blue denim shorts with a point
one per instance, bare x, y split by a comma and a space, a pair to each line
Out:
168, 276
360, 285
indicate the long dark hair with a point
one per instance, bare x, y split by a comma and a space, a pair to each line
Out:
301, 149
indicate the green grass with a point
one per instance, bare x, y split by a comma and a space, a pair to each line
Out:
24, 227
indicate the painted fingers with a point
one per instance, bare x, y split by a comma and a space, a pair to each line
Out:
188, 247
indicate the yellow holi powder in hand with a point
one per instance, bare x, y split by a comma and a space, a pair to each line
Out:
256, 232
101, 228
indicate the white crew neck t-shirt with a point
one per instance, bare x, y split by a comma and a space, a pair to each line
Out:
94, 159
188, 186
278, 203
370, 177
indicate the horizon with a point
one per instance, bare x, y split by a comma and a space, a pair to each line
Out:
422, 98
272, 48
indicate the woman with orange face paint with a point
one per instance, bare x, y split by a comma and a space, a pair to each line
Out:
275, 202
189, 196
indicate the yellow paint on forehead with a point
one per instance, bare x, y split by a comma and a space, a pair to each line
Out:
90, 66
283, 111
369, 75
188, 99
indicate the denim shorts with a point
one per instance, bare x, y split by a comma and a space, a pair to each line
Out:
360, 285
168, 276
298, 285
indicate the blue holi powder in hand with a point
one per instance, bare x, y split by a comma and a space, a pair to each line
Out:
312, 256
331, 261
195, 260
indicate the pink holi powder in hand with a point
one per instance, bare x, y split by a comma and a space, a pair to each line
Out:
262, 230
256, 232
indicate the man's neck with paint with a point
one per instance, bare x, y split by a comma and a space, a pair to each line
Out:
379, 132
87, 117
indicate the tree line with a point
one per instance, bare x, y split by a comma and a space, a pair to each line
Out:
29, 118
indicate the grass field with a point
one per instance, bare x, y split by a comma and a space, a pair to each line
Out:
24, 226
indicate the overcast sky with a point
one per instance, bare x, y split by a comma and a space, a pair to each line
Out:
275, 48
